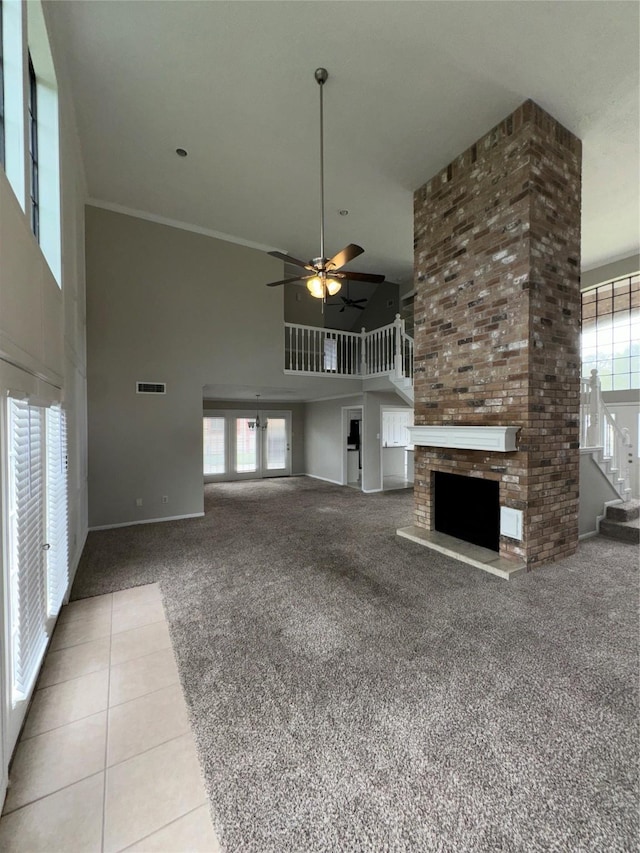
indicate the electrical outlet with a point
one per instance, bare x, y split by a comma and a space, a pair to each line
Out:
138, 501
165, 499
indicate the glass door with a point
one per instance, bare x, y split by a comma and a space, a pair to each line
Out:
246, 462
276, 445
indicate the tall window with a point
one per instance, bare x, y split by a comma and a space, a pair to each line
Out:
33, 150
611, 333
214, 451
1, 91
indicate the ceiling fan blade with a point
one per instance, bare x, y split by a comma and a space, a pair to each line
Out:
362, 276
342, 309
359, 307
288, 259
344, 256
287, 280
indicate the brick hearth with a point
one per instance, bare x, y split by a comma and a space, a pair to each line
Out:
497, 312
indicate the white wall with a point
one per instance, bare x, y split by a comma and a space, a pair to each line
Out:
324, 440
374, 403
42, 340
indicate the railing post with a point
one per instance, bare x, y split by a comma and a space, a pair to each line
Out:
398, 355
595, 415
626, 457
363, 352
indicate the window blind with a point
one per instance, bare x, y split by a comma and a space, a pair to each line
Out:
56, 502
28, 595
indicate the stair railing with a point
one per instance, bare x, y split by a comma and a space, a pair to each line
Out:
598, 429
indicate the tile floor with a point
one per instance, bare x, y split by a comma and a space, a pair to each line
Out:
106, 761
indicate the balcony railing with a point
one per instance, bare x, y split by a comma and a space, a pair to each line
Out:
313, 351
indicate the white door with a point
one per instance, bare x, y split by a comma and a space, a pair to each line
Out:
276, 445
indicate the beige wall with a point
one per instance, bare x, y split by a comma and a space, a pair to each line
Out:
42, 332
168, 305
617, 269
323, 446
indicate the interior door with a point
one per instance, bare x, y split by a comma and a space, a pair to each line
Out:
276, 445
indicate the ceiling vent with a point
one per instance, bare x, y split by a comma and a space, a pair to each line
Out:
151, 387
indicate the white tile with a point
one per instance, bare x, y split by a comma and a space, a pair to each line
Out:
194, 833
139, 641
149, 791
69, 820
75, 661
85, 608
146, 722
142, 675
135, 614
66, 702
51, 761
72, 632
147, 594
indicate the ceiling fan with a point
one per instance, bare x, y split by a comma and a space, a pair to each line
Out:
349, 303
325, 274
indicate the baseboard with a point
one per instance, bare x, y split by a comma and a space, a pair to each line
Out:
146, 521
588, 535
324, 479
372, 491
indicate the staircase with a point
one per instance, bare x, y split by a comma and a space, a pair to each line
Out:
609, 445
622, 522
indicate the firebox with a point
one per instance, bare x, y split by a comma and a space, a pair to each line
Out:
468, 508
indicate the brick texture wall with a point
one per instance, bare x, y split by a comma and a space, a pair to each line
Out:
497, 314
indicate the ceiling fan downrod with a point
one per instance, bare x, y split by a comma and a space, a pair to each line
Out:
321, 75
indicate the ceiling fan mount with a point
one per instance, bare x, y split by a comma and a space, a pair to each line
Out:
325, 274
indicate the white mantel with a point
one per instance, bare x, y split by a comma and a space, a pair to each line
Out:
497, 438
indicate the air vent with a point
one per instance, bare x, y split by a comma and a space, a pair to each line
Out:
151, 387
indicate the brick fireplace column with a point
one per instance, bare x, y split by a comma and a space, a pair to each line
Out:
497, 314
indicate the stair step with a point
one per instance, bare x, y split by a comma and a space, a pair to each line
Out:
627, 511
624, 531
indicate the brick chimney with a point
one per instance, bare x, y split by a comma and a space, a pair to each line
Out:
497, 321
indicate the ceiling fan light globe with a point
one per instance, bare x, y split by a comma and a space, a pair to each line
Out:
315, 287
333, 286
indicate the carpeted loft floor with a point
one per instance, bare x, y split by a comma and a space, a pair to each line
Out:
352, 691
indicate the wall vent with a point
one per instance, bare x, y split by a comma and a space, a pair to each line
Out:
151, 387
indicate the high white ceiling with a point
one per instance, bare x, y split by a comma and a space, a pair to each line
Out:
411, 85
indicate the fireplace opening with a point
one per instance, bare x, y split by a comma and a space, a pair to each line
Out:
468, 508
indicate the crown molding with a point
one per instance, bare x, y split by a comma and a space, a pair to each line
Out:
176, 223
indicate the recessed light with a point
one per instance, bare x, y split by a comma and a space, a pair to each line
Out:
181, 152
343, 212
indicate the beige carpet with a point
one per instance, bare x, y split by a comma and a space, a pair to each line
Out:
350, 690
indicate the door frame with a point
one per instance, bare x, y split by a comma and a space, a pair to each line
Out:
383, 409
345, 434
230, 416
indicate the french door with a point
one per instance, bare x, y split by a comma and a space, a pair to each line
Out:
238, 448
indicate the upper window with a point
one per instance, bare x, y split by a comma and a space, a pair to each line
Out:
33, 151
611, 333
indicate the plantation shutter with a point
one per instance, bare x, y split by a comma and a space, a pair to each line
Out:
56, 500
28, 594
